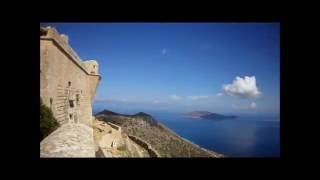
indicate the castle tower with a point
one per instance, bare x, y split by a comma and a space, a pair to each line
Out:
67, 84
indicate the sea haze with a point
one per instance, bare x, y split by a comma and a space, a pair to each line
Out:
245, 136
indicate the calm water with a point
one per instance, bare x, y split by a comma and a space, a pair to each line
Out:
241, 137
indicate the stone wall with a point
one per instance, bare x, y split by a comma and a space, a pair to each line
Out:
152, 152
66, 86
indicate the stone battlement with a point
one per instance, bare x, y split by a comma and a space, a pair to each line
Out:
62, 41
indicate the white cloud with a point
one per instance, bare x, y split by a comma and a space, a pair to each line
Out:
175, 97
164, 51
197, 97
253, 105
243, 87
219, 94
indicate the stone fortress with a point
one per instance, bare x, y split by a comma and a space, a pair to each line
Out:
68, 86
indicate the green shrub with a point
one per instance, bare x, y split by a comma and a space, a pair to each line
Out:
47, 121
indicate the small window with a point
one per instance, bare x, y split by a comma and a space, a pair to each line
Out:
70, 115
71, 103
69, 83
77, 98
94, 66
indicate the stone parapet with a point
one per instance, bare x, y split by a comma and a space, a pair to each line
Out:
62, 42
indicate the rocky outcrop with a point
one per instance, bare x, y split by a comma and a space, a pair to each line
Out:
70, 140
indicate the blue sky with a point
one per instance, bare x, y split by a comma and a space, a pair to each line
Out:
182, 66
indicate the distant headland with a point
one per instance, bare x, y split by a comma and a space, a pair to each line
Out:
207, 115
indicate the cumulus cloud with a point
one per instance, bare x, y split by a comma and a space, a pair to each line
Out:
243, 87
175, 97
197, 97
164, 51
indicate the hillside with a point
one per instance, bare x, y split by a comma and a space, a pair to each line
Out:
161, 138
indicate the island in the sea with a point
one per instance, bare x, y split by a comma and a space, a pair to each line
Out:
207, 115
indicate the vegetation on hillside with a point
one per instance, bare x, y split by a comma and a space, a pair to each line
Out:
47, 121
166, 142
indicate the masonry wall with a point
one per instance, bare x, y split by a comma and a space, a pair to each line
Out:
62, 79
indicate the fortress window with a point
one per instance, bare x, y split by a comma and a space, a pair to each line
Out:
70, 115
94, 66
77, 98
69, 83
71, 103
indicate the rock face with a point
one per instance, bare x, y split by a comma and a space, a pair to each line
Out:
67, 86
70, 140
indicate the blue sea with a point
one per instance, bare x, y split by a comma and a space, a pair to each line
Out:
245, 136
